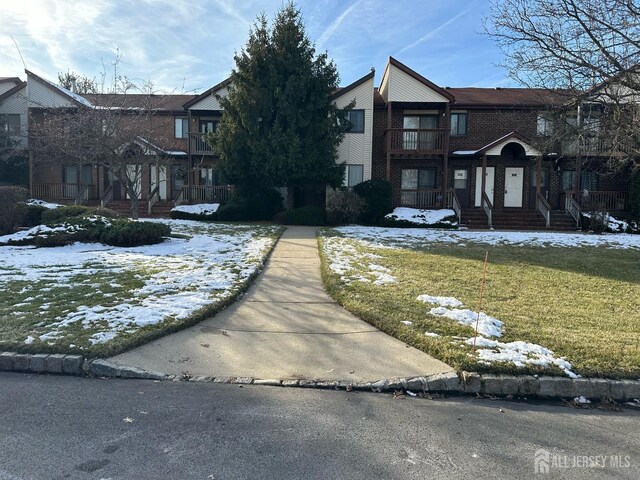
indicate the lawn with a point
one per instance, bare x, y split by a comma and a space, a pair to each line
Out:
563, 304
99, 300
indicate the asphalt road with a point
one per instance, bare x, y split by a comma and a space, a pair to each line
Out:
54, 427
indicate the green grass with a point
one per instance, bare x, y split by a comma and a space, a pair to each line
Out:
582, 303
29, 308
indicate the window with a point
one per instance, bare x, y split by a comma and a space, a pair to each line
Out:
458, 123
544, 124
356, 118
10, 123
419, 134
353, 175
589, 180
413, 178
568, 180
182, 127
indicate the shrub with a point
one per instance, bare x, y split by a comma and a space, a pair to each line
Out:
446, 223
34, 215
304, 216
209, 217
133, 234
56, 214
13, 210
344, 206
251, 204
377, 195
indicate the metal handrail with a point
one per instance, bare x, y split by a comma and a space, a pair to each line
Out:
544, 208
572, 208
488, 208
456, 205
181, 197
154, 196
81, 195
106, 198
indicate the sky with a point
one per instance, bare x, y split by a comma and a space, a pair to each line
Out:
187, 46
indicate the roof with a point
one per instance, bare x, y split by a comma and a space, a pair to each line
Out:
74, 97
207, 93
15, 80
13, 90
170, 103
511, 135
506, 97
412, 73
342, 90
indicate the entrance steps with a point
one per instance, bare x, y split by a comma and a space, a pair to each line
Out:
517, 219
162, 209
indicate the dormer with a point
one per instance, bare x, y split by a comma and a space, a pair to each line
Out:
401, 84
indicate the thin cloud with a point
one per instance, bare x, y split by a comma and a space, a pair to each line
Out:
436, 30
333, 26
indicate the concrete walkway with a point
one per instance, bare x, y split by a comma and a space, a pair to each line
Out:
285, 326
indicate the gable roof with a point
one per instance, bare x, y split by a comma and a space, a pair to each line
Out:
74, 97
208, 93
343, 90
412, 73
15, 80
511, 136
13, 90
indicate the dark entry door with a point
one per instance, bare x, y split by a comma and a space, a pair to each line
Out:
544, 186
178, 177
461, 186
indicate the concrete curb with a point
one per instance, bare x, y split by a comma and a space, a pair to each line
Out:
465, 383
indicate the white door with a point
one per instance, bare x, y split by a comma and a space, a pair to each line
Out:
513, 178
162, 177
488, 185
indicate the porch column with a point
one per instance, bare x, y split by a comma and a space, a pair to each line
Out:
538, 178
576, 181
388, 142
190, 168
31, 174
445, 163
483, 181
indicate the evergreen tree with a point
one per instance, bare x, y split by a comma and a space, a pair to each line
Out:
279, 126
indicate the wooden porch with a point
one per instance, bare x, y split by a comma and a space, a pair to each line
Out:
410, 142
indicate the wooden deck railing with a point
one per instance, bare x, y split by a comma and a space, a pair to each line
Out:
154, 196
106, 198
604, 201
209, 193
423, 141
64, 191
418, 198
199, 144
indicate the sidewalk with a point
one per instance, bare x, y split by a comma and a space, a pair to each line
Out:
285, 326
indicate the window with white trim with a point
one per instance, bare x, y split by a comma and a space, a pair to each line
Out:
356, 118
181, 127
458, 123
353, 175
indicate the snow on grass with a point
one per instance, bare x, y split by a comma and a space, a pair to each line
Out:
173, 280
199, 209
517, 353
45, 231
354, 265
423, 238
349, 259
422, 217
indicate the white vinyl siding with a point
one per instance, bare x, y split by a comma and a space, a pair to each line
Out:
41, 95
355, 148
210, 102
398, 86
16, 104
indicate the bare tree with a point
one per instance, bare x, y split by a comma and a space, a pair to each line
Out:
119, 131
585, 51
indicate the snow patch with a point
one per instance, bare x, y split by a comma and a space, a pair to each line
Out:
442, 301
422, 217
199, 209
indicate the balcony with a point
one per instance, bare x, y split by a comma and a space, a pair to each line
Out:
422, 198
409, 142
602, 200
199, 145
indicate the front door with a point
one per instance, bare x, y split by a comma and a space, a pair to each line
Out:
544, 186
461, 186
488, 186
513, 181
178, 177
158, 177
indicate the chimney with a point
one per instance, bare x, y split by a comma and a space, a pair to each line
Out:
74, 86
